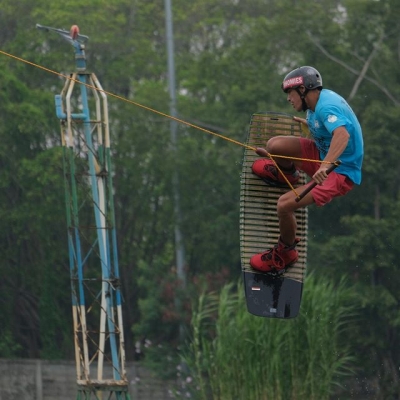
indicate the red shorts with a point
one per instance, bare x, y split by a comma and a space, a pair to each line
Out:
334, 185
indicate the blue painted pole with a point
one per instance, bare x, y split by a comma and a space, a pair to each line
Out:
100, 179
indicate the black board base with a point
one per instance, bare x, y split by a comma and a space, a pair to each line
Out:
272, 296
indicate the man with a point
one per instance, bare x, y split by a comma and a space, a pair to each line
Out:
336, 135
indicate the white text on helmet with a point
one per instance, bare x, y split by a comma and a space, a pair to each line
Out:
296, 81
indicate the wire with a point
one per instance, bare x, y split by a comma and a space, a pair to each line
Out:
126, 100
155, 111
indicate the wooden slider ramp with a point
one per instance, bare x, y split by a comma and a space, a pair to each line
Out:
259, 225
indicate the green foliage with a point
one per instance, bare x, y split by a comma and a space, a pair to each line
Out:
369, 253
8, 345
236, 355
165, 311
230, 59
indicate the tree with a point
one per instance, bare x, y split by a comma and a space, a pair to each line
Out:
29, 201
230, 60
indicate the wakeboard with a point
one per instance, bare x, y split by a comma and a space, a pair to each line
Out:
267, 295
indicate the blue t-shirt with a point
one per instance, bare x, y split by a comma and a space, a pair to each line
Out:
331, 112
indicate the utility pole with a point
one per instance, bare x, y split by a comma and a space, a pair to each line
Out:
92, 241
179, 245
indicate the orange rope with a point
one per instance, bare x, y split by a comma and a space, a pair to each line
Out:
295, 158
158, 112
127, 100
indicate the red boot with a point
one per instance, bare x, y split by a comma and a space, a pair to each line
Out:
268, 172
276, 259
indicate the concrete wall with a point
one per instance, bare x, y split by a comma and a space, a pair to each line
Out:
56, 380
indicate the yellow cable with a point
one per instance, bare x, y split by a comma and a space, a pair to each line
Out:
127, 100
155, 111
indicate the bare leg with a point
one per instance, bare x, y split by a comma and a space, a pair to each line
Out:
286, 207
286, 146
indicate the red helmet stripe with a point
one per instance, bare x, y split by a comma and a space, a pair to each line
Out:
292, 82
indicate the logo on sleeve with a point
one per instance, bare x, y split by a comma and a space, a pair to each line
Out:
332, 118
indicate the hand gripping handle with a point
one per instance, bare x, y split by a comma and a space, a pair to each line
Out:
312, 186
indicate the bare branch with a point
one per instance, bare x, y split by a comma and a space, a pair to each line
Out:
354, 71
365, 68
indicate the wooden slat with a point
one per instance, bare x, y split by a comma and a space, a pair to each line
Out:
259, 225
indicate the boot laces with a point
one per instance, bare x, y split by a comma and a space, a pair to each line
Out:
274, 171
275, 257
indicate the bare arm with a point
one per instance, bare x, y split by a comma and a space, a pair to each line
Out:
339, 142
304, 126
301, 120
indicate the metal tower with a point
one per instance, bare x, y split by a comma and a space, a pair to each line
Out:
92, 242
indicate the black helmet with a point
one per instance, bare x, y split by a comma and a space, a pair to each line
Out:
309, 77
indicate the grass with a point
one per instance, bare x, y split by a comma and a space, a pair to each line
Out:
235, 355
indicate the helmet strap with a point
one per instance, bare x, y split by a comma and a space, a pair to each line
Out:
302, 96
